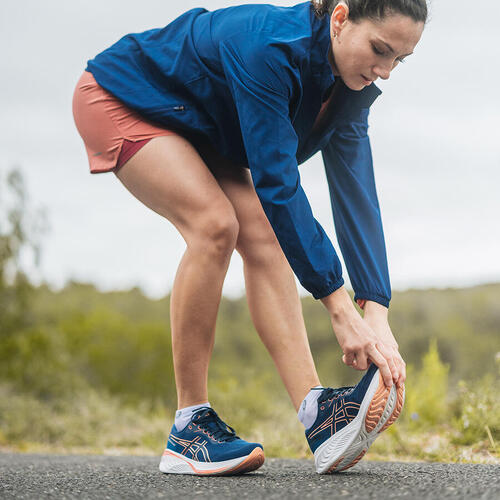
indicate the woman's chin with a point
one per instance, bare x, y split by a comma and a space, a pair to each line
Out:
354, 84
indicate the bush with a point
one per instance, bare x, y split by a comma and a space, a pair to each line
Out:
427, 395
133, 360
36, 361
477, 411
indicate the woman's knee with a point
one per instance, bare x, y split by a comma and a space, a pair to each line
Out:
257, 243
215, 234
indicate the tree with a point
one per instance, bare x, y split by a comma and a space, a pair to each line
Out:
20, 232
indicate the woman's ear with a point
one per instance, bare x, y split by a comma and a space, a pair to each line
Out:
338, 19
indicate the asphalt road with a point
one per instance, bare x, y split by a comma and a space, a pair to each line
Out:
55, 476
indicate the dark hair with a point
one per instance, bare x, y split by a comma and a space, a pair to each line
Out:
375, 9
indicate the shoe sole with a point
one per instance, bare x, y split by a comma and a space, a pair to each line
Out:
379, 409
175, 463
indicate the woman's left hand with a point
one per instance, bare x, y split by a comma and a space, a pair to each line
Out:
376, 315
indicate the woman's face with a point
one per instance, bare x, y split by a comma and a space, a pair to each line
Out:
368, 49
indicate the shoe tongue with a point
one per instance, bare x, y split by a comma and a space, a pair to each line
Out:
330, 392
201, 412
208, 418
212, 422
344, 390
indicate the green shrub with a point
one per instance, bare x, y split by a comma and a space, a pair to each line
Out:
477, 411
36, 362
133, 360
427, 395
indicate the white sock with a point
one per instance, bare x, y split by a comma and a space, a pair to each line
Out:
183, 416
309, 408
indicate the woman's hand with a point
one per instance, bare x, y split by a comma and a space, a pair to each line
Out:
357, 339
376, 316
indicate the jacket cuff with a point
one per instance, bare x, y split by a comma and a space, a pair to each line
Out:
361, 298
321, 293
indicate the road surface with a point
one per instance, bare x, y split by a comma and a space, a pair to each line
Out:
75, 476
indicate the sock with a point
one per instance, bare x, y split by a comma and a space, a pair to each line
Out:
183, 416
309, 408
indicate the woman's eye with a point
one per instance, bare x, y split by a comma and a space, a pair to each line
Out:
382, 53
377, 51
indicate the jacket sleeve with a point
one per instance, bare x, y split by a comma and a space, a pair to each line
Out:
260, 79
349, 170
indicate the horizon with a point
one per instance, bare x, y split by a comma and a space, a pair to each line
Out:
54, 289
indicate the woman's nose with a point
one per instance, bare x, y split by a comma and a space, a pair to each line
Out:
382, 72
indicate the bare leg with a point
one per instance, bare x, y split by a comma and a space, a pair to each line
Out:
169, 177
270, 286
277, 314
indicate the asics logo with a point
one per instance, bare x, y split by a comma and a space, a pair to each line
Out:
195, 449
342, 414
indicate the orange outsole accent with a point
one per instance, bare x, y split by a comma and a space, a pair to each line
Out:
355, 461
251, 463
334, 466
377, 406
397, 409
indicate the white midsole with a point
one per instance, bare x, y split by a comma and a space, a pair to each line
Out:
175, 463
353, 438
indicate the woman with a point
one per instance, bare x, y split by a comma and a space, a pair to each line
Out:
205, 122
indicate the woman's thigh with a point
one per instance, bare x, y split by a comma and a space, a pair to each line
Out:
169, 176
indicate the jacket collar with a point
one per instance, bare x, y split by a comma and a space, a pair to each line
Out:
320, 46
356, 99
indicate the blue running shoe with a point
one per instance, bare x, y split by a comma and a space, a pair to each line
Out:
208, 446
349, 419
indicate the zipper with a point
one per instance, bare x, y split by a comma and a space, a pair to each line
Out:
179, 108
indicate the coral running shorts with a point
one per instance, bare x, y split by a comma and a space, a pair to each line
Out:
111, 132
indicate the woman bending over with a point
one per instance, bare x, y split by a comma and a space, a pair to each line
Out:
205, 121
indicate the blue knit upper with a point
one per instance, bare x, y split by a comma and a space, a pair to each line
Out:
336, 409
207, 438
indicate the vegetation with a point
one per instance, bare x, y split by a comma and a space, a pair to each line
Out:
86, 371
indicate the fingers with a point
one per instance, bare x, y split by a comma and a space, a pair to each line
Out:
382, 364
393, 369
395, 362
361, 359
358, 361
349, 358
392, 357
402, 372
397, 366
366, 341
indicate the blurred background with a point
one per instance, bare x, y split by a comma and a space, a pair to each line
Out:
86, 270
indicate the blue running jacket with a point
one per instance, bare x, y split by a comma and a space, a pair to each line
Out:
251, 80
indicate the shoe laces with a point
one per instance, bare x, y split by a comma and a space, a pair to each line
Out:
209, 422
330, 393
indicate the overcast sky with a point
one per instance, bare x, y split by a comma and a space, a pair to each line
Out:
434, 134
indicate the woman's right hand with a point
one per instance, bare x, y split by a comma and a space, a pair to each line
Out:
356, 338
